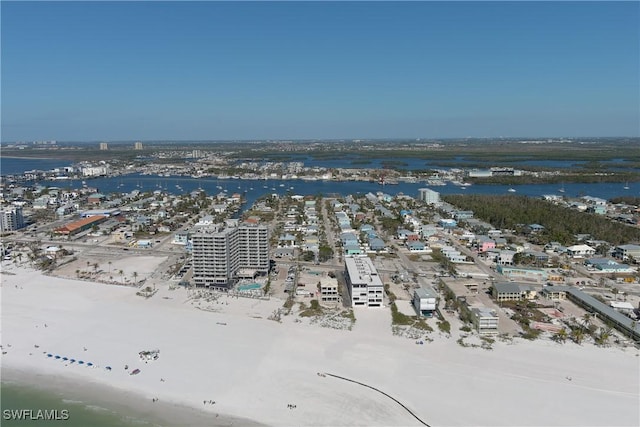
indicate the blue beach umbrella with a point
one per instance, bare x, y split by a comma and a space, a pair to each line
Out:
108, 368
80, 362
89, 364
72, 360
49, 355
65, 358
57, 357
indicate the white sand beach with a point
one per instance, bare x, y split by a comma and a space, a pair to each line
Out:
253, 367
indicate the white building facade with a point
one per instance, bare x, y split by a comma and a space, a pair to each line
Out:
429, 196
221, 251
364, 283
11, 219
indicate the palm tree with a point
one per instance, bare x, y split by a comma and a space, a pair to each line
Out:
109, 267
561, 335
603, 336
95, 267
78, 273
586, 320
135, 277
577, 335
615, 293
121, 275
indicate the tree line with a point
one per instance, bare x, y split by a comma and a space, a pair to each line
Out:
561, 223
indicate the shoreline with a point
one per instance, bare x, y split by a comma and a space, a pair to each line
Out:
253, 367
121, 403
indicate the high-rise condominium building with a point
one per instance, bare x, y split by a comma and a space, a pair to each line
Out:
223, 253
137, 146
11, 219
104, 146
429, 196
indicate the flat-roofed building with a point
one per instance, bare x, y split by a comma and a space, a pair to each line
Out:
80, 225
221, 251
329, 290
625, 252
580, 251
364, 283
484, 320
511, 291
553, 293
429, 196
11, 219
425, 301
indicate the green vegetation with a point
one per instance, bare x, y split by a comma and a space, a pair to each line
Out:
398, 318
349, 314
444, 326
313, 310
561, 223
288, 303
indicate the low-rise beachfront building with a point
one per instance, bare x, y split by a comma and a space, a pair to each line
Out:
180, 238
80, 225
604, 265
553, 293
620, 321
329, 290
425, 301
522, 273
506, 257
484, 320
625, 252
580, 251
511, 291
103, 212
364, 284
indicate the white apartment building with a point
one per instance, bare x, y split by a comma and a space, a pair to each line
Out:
429, 196
329, 290
364, 283
95, 170
484, 320
223, 252
11, 219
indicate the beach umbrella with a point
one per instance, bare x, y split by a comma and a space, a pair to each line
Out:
65, 358
89, 364
108, 368
72, 360
80, 362
49, 355
57, 357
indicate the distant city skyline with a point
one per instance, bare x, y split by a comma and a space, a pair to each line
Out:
116, 71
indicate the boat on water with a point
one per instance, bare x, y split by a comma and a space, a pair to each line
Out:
626, 185
511, 190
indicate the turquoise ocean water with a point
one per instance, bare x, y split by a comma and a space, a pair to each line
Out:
17, 397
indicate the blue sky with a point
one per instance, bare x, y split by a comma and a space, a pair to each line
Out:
109, 71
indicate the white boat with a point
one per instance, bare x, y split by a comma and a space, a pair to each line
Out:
626, 185
511, 190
